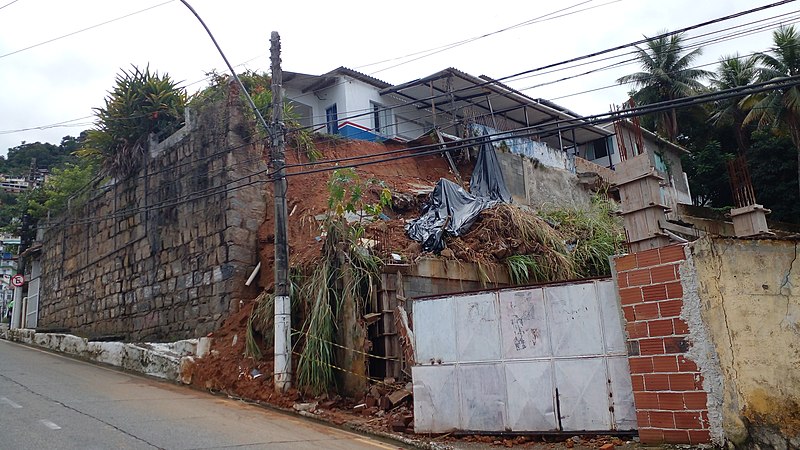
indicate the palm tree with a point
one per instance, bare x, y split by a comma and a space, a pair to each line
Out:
666, 75
779, 109
734, 71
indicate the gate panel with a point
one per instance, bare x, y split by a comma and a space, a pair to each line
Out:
435, 319
483, 397
582, 394
523, 323
622, 393
574, 321
542, 358
436, 398
478, 328
531, 404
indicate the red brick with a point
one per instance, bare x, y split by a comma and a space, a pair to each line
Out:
698, 382
674, 290
665, 364
673, 253
670, 308
675, 345
641, 365
623, 263
645, 400
622, 280
651, 436
654, 292
699, 437
629, 296
676, 436
662, 419
656, 382
686, 365
648, 258
646, 311
639, 277
651, 347
704, 416
656, 328
688, 420
662, 274
680, 382
695, 400
627, 311
637, 381
643, 419
671, 401
636, 330
680, 326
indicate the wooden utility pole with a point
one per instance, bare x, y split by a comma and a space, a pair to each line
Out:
283, 317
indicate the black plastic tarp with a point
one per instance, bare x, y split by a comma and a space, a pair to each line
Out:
487, 177
452, 210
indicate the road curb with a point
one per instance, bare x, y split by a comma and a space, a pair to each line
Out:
164, 362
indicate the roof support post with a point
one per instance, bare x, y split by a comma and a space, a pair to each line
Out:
491, 111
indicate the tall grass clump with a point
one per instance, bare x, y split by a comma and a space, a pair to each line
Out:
592, 235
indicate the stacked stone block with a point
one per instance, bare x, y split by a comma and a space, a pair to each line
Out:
163, 254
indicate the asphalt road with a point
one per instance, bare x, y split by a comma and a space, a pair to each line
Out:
48, 401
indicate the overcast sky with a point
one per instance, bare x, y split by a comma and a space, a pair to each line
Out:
63, 80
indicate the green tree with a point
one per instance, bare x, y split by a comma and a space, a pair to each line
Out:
141, 103
773, 170
734, 71
18, 161
779, 109
666, 75
62, 189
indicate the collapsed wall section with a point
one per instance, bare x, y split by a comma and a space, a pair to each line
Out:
164, 253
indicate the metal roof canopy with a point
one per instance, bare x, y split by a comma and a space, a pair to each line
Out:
488, 97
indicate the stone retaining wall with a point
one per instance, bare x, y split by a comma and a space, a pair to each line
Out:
164, 254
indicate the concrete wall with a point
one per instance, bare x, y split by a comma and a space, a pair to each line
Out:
162, 255
714, 347
749, 294
534, 184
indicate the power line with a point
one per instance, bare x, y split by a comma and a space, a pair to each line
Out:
563, 125
446, 46
9, 3
539, 19
582, 57
85, 29
572, 123
737, 34
532, 72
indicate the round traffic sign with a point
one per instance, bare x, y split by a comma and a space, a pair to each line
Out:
17, 280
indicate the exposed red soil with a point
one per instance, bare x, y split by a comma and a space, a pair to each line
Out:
227, 369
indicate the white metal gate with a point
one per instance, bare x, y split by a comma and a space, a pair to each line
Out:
546, 358
32, 303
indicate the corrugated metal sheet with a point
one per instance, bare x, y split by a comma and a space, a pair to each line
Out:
544, 358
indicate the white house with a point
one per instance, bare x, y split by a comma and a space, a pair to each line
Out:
354, 105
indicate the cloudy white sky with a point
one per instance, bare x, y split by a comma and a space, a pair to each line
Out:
60, 81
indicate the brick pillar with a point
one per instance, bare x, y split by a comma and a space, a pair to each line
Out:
671, 405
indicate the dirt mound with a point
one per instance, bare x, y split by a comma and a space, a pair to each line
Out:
226, 368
